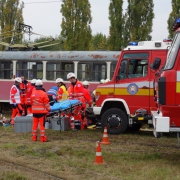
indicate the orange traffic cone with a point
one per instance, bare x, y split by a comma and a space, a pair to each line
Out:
99, 159
105, 137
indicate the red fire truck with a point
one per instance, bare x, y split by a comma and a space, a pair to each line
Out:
167, 118
128, 99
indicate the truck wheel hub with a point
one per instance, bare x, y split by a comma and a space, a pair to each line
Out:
114, 121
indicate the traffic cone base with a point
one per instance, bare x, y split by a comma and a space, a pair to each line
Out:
105, 137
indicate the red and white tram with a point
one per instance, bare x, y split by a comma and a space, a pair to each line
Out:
49, 65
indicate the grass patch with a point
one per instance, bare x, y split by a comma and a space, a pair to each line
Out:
71, 155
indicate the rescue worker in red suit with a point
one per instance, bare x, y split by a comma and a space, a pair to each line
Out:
15, 100
40, 107
88, 98
23, 87
28, 97
76, 91
87, 95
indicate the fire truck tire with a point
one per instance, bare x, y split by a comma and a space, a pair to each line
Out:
115, 120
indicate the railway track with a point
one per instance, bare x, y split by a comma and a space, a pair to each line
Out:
32, 172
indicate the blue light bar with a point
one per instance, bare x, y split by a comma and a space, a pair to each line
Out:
178, 20
132, 43
176, 24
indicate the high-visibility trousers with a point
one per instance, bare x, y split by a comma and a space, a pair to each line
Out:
80, 122
41, 122
16, 111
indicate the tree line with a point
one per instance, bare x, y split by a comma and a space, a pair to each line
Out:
133, 24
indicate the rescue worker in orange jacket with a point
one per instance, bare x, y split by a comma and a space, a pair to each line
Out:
76, 91
28, 96
40, 107
86, 93
62, 91
23, 90
15, 100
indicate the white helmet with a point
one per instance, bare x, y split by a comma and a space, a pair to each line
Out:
70, 75
18, 79
102, 81
58, 80
39, 82
85, 83
33, 81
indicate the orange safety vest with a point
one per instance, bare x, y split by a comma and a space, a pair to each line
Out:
77, 92
40, 102
28, 94
23, 87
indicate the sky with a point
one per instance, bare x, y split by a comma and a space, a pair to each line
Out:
45, 17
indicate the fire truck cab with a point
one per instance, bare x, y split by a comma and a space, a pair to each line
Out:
128, 99
166, 117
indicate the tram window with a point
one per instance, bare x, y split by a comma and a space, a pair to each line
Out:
6, 70
92, 71
113, 66
56, 70
85, 71
30, 70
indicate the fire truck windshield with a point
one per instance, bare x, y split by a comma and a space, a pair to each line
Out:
172, 52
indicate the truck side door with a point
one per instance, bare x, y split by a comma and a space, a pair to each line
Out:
133, 85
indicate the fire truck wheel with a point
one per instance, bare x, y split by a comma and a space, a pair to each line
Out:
115, 120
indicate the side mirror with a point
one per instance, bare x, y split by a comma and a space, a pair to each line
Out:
156, 64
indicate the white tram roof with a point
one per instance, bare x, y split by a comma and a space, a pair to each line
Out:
60, 55
149, 45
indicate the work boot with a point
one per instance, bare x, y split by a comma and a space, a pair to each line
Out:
34, 138
43, 139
